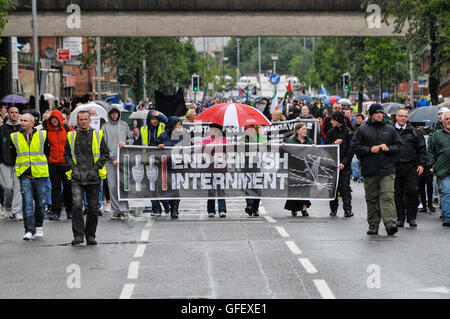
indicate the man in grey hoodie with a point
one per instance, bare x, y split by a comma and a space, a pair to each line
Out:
117, 134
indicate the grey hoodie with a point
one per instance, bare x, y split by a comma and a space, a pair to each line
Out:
116, 132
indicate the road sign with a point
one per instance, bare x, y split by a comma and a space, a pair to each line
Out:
63, 55
274, 79
423, 81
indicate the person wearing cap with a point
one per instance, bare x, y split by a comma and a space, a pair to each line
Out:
341, 135
410, 164
440, 124
376, 145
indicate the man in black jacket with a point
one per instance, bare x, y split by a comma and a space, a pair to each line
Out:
85, 154
341, 135
410, 164
376, 145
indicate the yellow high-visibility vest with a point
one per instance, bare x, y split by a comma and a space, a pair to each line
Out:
31, 155
144, 132
97, 137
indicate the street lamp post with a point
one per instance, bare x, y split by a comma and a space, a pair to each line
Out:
274, 59
238, 60
35, 55
225, 59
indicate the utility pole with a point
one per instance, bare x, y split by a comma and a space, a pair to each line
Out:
99, 71
411, 81
144, 68
259, 63
238, 60
35, 55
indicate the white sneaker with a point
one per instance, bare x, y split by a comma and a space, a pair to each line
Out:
107, 208
28, 236
39, 232
18, 217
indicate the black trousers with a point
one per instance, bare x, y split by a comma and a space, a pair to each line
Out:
58, 177
78, 226
106, 190
406, 197
345, 190
426, 181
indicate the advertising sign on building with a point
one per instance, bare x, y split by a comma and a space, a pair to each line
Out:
74, 44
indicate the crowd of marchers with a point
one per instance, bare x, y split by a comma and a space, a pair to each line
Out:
47, 166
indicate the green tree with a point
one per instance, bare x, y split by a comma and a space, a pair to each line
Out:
300, 64
385, 60
6, 6
428, 32
331, 61
312, 77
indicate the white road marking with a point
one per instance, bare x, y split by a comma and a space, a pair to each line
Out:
150, 223
139, 251
133, 270
282, 231
127, 291
309, 267
323, 289
262, 210
293, 247
145, 235
270, 219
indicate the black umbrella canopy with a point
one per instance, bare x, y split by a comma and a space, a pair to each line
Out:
425, 114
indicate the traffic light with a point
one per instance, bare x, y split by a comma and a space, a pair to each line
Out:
346, 81
195, 83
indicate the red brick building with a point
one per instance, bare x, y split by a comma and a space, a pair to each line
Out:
64, 78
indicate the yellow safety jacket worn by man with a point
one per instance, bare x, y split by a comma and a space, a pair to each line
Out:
144, 132
31, 156
97, 138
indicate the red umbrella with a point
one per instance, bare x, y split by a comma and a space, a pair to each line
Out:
233, 114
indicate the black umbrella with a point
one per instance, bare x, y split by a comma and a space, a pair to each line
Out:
425, 114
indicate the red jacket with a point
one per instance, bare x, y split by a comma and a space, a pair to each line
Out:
57, 139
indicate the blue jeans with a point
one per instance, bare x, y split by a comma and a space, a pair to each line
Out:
33, 202
49, 192
212, 206
156, 206
356, 170
100, 198
445, 184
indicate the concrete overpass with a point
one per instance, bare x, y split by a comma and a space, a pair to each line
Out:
165, 18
